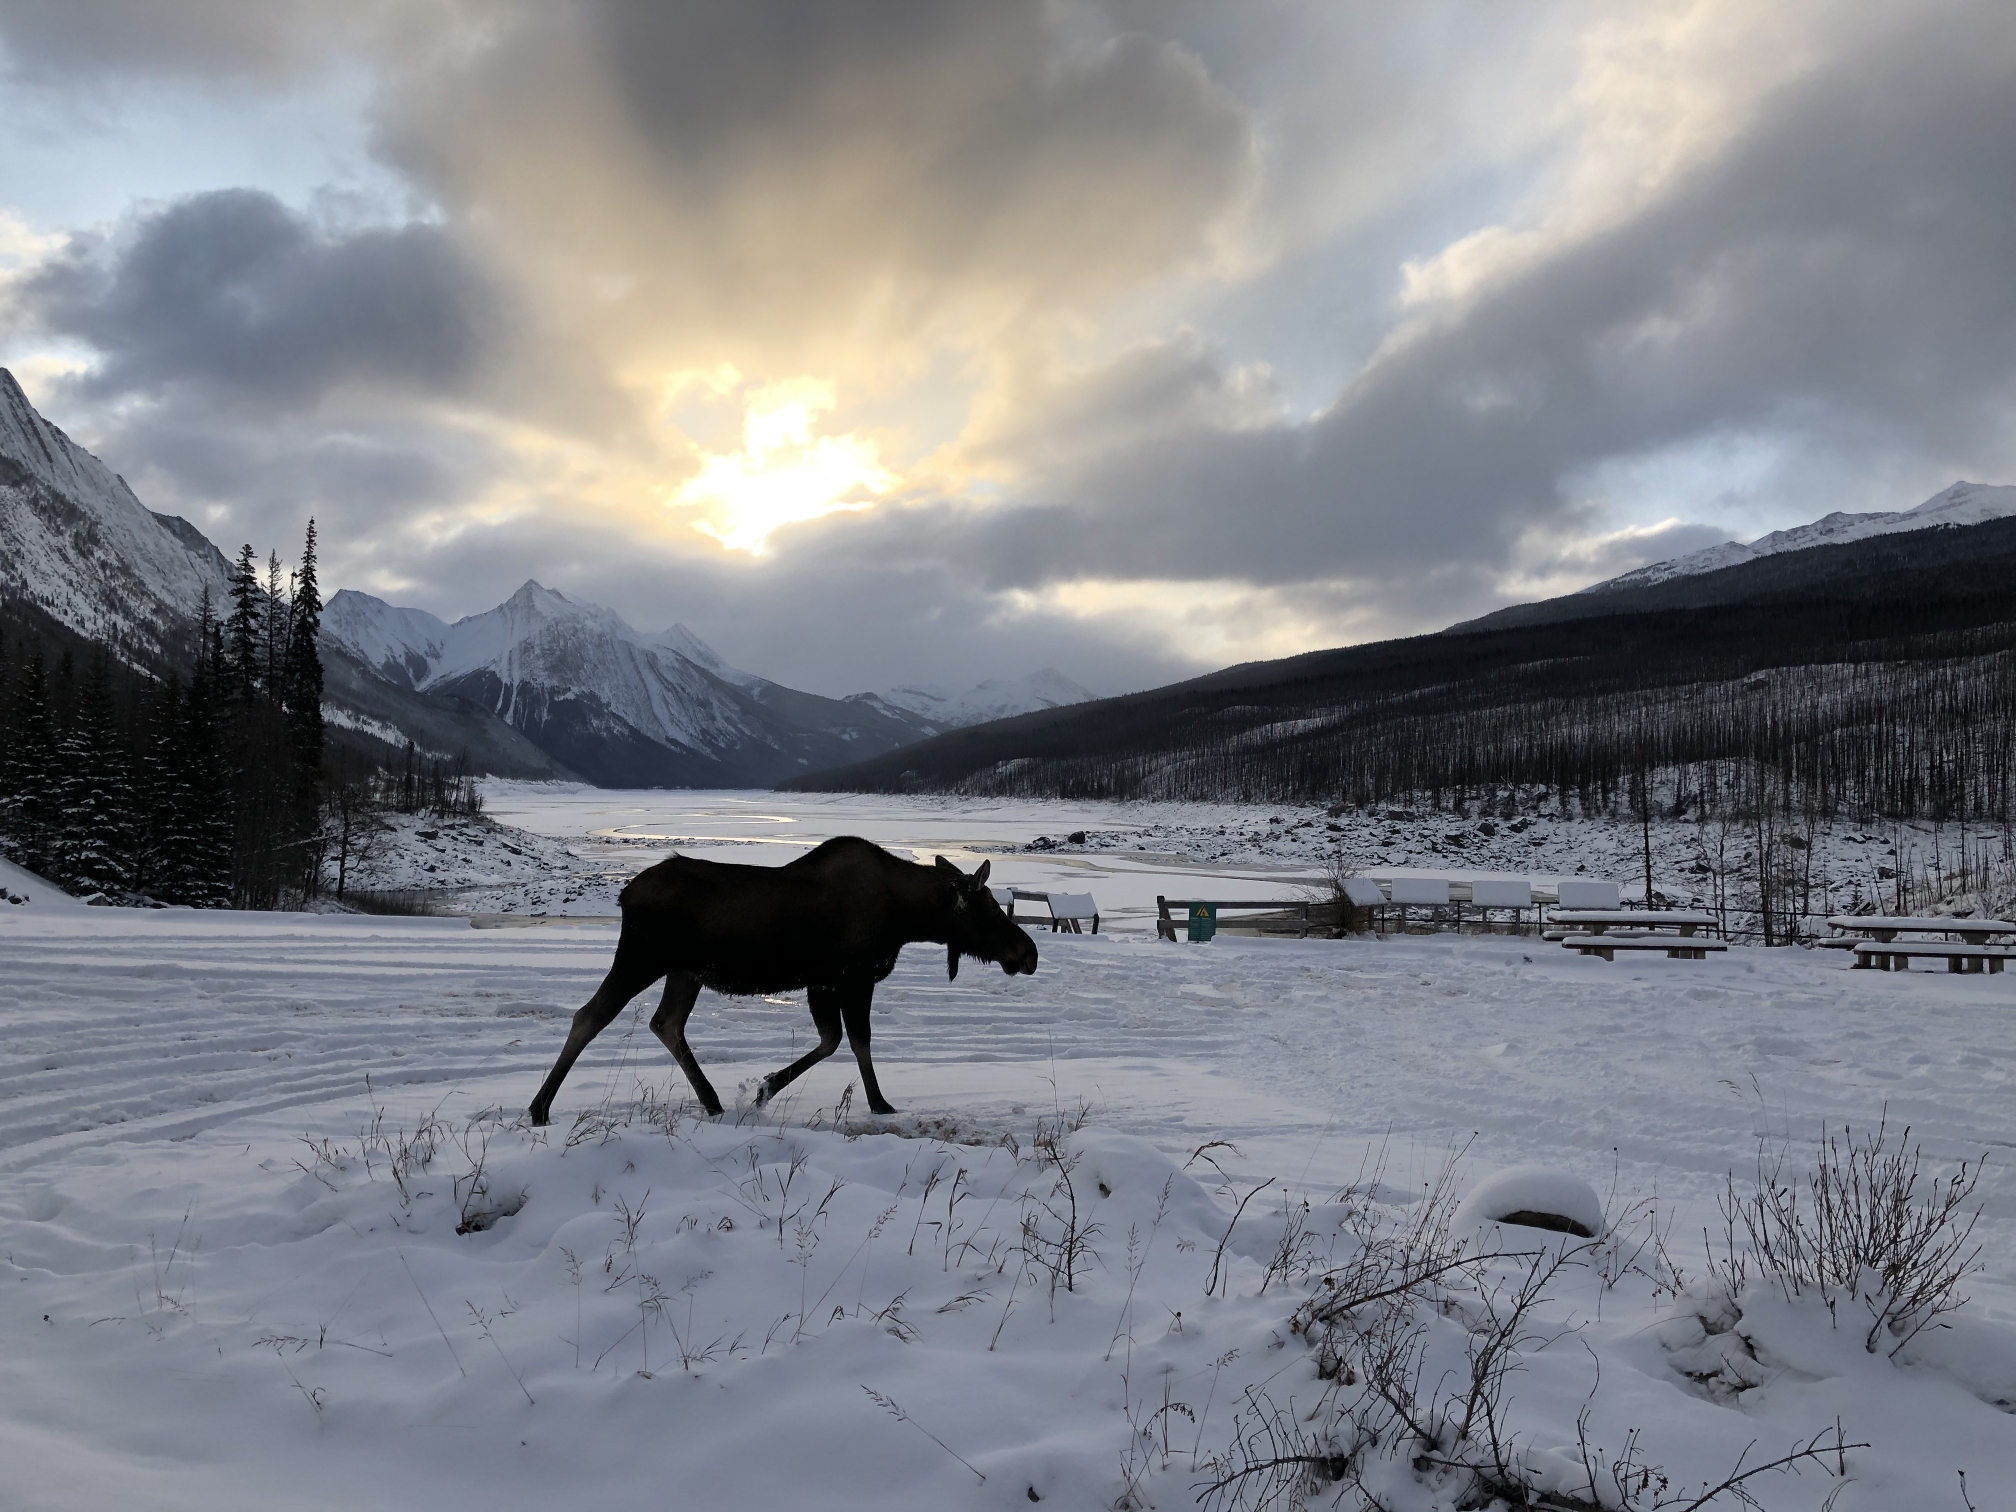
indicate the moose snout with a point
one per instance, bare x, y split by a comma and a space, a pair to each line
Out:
1021, 962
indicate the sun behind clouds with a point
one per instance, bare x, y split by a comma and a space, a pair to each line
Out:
783, 473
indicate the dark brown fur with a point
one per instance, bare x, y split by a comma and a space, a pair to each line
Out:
832, 922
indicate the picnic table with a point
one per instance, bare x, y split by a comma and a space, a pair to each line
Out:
1895, 955
1596, 920
1884, 929
1677, 947
1884, 951
1067, 911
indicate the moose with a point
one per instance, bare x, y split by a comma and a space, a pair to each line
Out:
832, 921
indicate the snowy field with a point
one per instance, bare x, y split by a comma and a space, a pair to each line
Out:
272, 1231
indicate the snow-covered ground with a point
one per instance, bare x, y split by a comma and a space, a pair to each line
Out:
231, 1273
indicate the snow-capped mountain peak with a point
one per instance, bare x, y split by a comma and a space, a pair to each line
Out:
944, 707
606, 699
76, 542
1959, 504
417, 649
684, 642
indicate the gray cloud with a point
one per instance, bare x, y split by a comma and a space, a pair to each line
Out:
912, 199
235, 294
1840, 277
204, 37
829, 623
781, 185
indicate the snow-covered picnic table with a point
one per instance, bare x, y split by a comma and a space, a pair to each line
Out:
1885, 929
1677, 947
1596, 920
1895, 955
1068, 911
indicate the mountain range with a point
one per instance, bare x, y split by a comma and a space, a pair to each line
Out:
542, 686
545, 686
1960, 504
1839, 629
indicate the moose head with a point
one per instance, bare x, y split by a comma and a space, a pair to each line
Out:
979, 928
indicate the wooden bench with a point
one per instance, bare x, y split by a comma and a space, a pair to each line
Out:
1895, 955
1165, 925
1677, 947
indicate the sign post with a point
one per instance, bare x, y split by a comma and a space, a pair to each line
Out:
1203, 922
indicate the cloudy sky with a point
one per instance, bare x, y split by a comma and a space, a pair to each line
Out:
883, 341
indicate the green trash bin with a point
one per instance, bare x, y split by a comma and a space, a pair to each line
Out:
1203, 921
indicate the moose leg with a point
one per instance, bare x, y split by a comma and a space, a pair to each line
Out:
626, 979
854, 1010
669, 1024
826, 1019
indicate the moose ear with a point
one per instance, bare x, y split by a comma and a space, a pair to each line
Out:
947, 866
980, 876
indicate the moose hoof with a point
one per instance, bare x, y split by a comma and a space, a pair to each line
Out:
880, 1108
540, 1117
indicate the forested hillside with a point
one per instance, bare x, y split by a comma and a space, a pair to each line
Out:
1871, 679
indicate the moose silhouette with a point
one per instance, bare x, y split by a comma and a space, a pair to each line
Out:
833, 922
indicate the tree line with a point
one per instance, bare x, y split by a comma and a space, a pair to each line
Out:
1862, 741
201, 784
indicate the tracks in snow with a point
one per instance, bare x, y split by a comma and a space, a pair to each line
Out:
125, 1026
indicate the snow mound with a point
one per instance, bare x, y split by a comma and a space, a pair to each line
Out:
20, 888
1534, 1197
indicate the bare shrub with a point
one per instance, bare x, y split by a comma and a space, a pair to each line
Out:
1329, 904
1866, 1227
1056, 1238
1400, 1403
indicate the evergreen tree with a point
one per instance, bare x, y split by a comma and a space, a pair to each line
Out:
303, 679
200, 853
28, 768
157, 788
94, 827
278, 615
247, 626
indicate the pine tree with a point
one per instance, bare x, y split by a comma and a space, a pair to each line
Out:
303, 679
278, 616
203, 838
94, 826
247, 625
158, 790
28, 767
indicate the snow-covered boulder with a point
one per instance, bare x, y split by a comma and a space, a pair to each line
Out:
1534, 1197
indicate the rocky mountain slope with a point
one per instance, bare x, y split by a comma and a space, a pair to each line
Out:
940, 707
617, 705
1882, 663
1960, 504
77, 547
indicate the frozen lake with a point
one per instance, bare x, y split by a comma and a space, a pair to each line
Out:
633, 828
